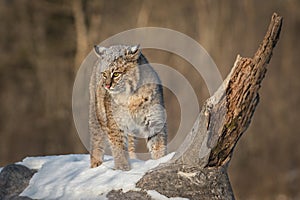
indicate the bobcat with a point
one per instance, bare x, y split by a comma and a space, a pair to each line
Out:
126, 101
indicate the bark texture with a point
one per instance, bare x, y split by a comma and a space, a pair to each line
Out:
130, 195
192, 182
13, 180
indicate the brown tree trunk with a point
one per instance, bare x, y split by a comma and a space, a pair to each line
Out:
81, 33
199, 168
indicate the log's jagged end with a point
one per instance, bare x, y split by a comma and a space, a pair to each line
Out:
227, 114
242, 94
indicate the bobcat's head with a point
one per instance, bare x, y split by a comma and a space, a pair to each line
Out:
119, 65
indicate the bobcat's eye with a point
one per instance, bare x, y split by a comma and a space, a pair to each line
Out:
116, 74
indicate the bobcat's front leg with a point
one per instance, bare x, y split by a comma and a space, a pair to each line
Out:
97, 149
118, 146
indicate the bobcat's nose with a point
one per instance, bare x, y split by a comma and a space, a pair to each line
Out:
107, 86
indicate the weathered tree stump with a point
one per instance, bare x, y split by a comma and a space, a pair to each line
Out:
199, 168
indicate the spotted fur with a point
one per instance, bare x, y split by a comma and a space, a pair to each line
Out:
126, 101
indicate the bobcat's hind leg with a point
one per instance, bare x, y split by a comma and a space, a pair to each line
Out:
131, 146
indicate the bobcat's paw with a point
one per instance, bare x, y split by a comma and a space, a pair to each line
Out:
132, 155
95, 163
157, 153
122, 166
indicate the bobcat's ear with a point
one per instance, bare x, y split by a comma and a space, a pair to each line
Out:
99, 51
134, 49
133, 52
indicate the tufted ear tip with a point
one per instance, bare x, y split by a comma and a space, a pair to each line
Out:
99, 50
134, 49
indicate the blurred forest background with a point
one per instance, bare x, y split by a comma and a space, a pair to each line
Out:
42, 44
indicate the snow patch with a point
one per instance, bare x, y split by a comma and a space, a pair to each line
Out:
157, 196
70, 176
